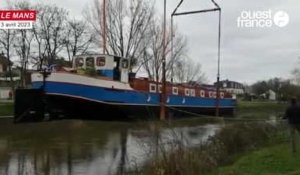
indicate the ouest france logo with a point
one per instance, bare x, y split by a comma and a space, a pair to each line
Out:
262, 19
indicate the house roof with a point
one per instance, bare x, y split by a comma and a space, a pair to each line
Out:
229, 81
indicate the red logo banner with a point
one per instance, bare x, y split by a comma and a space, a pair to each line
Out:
17, 15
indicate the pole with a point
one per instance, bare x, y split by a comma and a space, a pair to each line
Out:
218, 74
194, 12
163, 95
172, 47
217, 8
104, 26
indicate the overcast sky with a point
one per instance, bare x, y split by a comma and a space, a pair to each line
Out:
248, 54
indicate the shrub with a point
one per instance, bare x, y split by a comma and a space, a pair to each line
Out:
220, 149
90, 71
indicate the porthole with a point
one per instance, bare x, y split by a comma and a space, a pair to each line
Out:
193, 94
152, 88
222, 94
202, 93
175, 91
187, 92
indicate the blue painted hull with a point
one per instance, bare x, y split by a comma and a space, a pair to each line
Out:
126, 102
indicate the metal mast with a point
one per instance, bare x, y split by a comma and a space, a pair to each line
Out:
218, 65
163, 94
172, 36
217, 8
104, 26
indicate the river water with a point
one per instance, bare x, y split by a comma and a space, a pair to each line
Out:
88, 147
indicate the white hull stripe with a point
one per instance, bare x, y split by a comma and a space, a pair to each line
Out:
82, 80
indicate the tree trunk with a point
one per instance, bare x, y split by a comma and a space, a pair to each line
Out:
12, 85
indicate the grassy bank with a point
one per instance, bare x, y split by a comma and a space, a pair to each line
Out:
275, 160
6, 109
223, 149
230, 144
260, 110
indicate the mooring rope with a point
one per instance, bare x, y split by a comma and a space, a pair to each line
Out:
222, 118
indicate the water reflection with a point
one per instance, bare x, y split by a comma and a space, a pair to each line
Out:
86, 147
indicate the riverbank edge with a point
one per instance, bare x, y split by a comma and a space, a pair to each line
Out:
223, 149
257, 110
275, 159
6, 109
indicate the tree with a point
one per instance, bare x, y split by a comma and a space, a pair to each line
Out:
188, 71
134, 32
78, 39
284, 89
260, 87
275, 84
22, 46
127, 26
289, 90
7, 38
296, 74
23, 42
50, 32
153, 52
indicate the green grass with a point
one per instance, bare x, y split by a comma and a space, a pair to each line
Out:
275, 160
226, 147
260, 110
6, 109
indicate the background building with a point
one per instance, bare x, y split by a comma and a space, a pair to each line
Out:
235, 88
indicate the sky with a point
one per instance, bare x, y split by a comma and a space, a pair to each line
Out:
248, 54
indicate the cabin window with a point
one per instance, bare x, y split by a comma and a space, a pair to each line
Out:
202, 93
193, 94
215, 95
100, 61
211, 94
222, 94
187, 92
159, 88
79, 62
152, 88
175, 91
125, 64
90, 62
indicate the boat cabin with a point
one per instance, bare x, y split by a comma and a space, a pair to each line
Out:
113, 67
